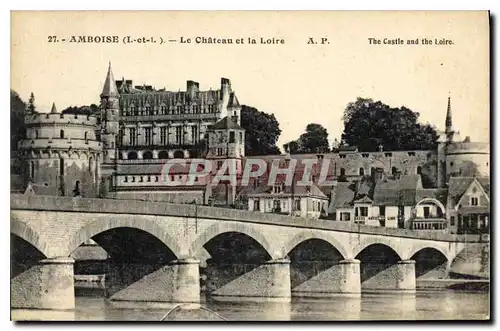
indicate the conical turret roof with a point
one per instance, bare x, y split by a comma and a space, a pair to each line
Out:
109, 89
54, 109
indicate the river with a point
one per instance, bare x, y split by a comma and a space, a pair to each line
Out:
425, 305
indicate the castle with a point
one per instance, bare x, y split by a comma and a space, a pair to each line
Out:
121, 153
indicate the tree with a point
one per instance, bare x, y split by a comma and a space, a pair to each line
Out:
369, 124
315, 139
17, 127
31, 104
261, 132
292, 147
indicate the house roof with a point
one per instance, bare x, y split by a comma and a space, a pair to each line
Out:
393, 192
342, 196
364, 199
458, 185
298, 190
226, 123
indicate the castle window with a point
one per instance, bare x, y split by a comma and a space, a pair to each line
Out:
148, 109
85, 137
132, 136
61, 134
194, 134
156, 178
163, 135
394, 170
365, 155
342, 156
163, 109
140, 179
219, 164
361, 171
36, 137
133, 179
419, 170
32, 172
474, 201
231, 137
178, 135
411, 153
126, 179
178, 155
342, 172
148, 135
451, 164
388, 154
147, 155
219, 151
132, 155
149, 178
163, 155
241, 137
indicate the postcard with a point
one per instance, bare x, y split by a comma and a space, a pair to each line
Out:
250, 165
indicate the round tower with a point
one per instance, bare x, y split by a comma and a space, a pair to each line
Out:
60, 154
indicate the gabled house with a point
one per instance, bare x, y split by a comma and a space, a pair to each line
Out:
469, 204
297, 200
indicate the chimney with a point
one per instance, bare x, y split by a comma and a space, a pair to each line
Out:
225, 88
192, 88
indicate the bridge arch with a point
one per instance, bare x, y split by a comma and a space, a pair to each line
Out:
308, 235
419, 246
98, 226
220, 228
25, 232
366, 241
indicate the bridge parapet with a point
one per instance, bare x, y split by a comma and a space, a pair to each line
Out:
118, 206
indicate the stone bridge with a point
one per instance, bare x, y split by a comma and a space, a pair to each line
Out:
155, 251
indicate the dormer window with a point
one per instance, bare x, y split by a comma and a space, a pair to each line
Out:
411, 153
388, 154
474, 201
342, 156
365, 155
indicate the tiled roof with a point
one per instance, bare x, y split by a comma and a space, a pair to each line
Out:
393, 192
458, 185
364, 199
342, 196
226, 123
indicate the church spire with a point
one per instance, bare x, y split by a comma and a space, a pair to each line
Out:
109, 89
54, 109
448, 116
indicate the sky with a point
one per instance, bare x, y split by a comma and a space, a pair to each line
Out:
299, 83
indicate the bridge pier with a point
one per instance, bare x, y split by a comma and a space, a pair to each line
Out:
178, 281
49, 284
268, 282
342, 278
399, 277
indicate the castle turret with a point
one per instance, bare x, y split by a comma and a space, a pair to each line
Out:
54, 109
234, 108
109, 117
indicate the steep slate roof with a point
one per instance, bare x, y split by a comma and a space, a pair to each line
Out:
458, 185
342, 196
109, 89
392, 192
226, 123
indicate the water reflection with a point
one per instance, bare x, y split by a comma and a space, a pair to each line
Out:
430, 305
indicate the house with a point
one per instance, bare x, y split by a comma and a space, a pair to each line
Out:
297, 200
469, 204
398, 201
